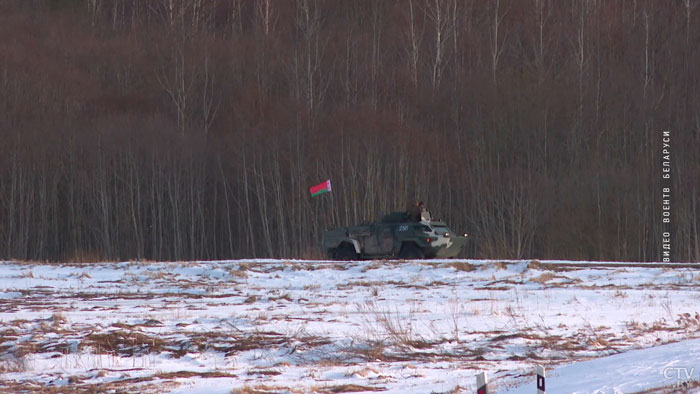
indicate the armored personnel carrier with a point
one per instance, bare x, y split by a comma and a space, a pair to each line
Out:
395, 236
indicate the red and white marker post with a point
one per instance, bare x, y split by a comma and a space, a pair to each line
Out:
540, 379
482, 383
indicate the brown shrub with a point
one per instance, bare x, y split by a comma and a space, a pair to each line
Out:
462, 266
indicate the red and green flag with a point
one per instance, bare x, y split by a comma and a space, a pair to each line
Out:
323, 187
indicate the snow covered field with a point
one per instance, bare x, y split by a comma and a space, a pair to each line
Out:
262, 326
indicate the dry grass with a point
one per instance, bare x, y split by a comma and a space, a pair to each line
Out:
25, 348
285, 297
462, 266
620, 294
227, 343
456, 390
263, 372
157, 275
248, 390
312, 253
345, 388
389, 334
371, 351
544, 278
392, 327
251, 299
499, 265
238, 273
537, 265
363, 373
118, 387
11, 363
360, 283
58, 318
259, 389
688, 321
534, 265
123, 343
82, 275
684, 387
191, 374
86, 256
373, 266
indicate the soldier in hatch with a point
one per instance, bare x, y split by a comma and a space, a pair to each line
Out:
413, 211
424, 213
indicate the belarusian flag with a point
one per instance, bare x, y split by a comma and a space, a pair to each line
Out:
321, 188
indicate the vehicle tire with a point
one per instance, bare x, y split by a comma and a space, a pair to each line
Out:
411, 252
345, 252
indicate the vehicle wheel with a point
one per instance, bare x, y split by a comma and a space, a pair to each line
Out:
411, 252
345, 252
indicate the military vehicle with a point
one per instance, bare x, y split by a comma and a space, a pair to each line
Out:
395, 236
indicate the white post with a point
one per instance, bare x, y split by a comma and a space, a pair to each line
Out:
540, 379
481, 383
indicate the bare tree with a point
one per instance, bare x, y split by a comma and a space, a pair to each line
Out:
176, 76
281, 94
581, 56
210, 101
314, 83
497, 43
414, 37
438, 12
543, 12
266, 15
94, 8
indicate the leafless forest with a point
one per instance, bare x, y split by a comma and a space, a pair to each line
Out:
192, 129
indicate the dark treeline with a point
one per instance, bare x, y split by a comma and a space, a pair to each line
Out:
192, 129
